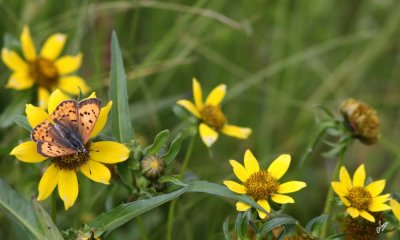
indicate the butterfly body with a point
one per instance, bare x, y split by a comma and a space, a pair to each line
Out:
69, 130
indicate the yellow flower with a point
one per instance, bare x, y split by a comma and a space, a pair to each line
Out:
360, 199
62, 170
45, 69
263, 185
395, 208
211, 116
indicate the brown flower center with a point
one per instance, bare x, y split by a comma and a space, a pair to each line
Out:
213, 116
44, 72
73, 161
360, 198
261, 185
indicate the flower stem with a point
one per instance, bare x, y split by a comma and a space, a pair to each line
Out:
54, 207
171, 211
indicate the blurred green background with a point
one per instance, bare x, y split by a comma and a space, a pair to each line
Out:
279, 59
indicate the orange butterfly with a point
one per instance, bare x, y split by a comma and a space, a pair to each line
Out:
70, 128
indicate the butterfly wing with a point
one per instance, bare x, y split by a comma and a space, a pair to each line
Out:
66, 113
53, 149
44, 132
89, 110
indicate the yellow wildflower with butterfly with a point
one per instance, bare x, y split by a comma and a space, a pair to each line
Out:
63, 135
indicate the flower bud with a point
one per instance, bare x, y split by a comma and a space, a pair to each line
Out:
362, 120
152, 167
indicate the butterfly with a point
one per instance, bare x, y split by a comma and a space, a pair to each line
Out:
69, 130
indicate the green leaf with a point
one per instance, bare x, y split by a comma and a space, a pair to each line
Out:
49, 229
20, 211
173, 150
120, 215
316, 222
171, 179
125, 174
14, 108
120, 115
274, 222
11, 42
22, 121
241, 225
225, 228
160, 140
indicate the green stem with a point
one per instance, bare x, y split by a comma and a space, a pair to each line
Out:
171, 211
54, 207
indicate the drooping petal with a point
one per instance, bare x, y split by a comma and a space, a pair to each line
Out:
240, 172
292, 186
207, 134
43, 96
28, 47
378, 207
282, 199
96, 171
56, 98
68, 64
250, 162
242, 207
188, 105
53, 46
101, 120
367, 216
19, 81
73, 85
279, 166
264, 204
339, 188
108, 152
345, 201
216, 95
197, 94
235, 187
14, 61
359, 176
235, 131
68, 187
48, 182
395, 208
353, 212
35, 115
27, 152
345, 178
376, 187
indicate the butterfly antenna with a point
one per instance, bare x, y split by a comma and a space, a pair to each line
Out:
80, 94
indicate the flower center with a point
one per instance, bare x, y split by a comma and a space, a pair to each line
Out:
261, 185
213, 116
152, 166
44, 72
72, 161
359, 198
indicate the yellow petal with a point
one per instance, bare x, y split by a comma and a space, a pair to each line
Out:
367, 216
48, 182
279, 166
56, 98
35, 115
14, 61
250, 162
207, 134
264, 204
188, 105
53, 46
345, 201
73, 85
242, 207
102, 120
345, 178
69, 64
43, 96
353, 212
378, 207
28, 47
197, 94
235, 131
359, 176
376, 187
216, 95
108, 152
92, 95
381, 198
19, 81
27, 152
395, 208
240, 172
96, 171
281, 199
235, 187
292, 186
339, 188
68, 187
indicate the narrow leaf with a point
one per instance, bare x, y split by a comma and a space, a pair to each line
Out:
160, 140
22, 121
225, 227
274, 222
173, 150
49, 229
